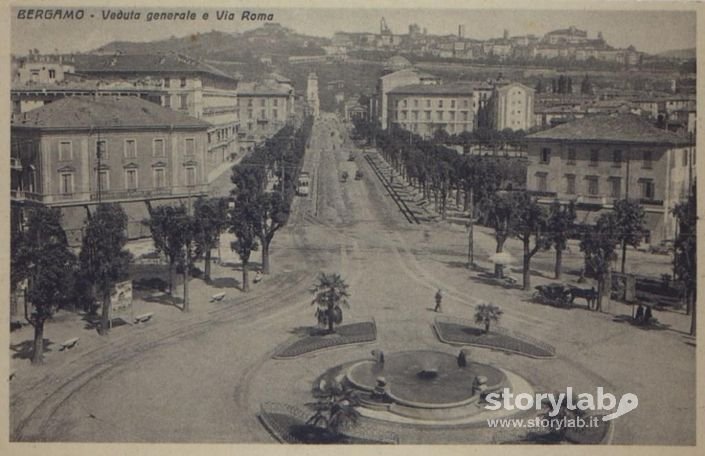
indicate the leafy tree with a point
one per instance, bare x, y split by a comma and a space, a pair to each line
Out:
559, 228
244, 221
103, 258
167, 237
330, 293
599, 245
530, 222
500, 212
586, 86
486, 314
631, 225
272, 214
210, 221
49, 265
685, 253
185, 229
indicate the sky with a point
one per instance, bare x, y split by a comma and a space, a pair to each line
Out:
649, 31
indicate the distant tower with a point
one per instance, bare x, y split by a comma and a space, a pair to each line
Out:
506, 34
312, 95
461, 32
599, 36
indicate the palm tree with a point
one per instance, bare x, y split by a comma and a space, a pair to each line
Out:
330, 293
335, 409
486, 314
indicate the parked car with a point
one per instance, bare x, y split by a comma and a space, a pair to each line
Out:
358, 175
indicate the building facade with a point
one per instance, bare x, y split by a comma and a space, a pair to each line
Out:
512, 107
79, 151
599, 159
424, 109
263, 108
312, 99
390, 81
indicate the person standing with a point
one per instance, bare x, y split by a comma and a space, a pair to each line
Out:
439, 298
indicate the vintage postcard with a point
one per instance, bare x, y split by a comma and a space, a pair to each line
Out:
352, 224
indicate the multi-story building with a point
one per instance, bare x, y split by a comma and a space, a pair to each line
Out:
512, 106
424, 109
263, 108
78, 151
312, 95
41, 69
599, 159
188, 85
387, 82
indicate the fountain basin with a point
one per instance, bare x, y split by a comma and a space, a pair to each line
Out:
425, 379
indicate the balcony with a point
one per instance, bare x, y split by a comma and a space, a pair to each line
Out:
21, 195
650, 202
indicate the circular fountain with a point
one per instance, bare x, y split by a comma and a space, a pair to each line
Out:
424, 384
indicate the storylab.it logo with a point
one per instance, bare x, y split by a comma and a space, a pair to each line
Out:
601, 401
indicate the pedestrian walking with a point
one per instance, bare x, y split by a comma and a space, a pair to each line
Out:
439, 298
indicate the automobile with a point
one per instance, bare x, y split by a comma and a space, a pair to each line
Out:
358, 175
303, 184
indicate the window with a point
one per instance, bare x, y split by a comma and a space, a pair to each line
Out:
403, 115
158, 148
52, 74
190, 146
130, 148
403, 103
275, 113
249, 103
183, 101
262, 114
131, 179
66, 184
594, 157
452, 104
616, 158
541, 182
249, 113
166, 101
616, 187
545, 155
439, 114
465, 115
593, 185
104, 180
159, 177
415, 115
183, 82
101, 149
65, 150
428, 115
416, 103
452, 115
440, 103
167, 82
570, 184
647, 160
275, 102
571, 157
685, 157
428, 103
190, 175
466, 103
648, 190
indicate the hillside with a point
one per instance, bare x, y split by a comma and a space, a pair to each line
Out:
678, 54
270, 39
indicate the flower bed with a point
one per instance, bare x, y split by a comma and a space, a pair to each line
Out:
457, 332
353, 333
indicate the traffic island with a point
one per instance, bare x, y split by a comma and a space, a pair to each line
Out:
456, 331
318, 339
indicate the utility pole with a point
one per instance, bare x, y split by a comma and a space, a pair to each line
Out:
471, 225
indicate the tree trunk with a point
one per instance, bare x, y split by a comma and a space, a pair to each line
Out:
171, 278
331, 324
245, 283
265, 256
526, 267
559, 263
38, 353
499, 268
600, 294
487, 327
207, 266
105, 314
607, 302
187, 266
624, 255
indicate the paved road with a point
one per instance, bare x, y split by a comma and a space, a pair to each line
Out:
204, 383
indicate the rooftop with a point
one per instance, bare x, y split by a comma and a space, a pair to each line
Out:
621, 128
105, 112
457, 88
145, 63
261, 88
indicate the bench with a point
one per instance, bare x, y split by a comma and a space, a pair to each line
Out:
144, 317
69, 344
217, 297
